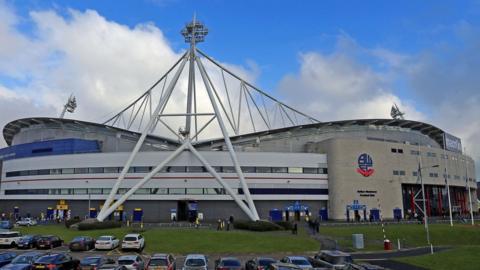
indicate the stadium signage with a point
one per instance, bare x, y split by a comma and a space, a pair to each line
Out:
452, 143
365, 165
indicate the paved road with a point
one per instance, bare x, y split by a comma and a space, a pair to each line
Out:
397, 254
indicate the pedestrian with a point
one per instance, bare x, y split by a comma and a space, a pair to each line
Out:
317, 226
197, 222
228, 225
295, 228
219, 225
231, 219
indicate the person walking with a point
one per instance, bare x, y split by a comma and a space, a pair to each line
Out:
197, 222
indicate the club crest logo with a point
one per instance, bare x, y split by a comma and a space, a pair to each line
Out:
365, 165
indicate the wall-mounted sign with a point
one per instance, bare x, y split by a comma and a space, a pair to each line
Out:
365, 165
452, 143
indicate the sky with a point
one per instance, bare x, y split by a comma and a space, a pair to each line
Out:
331, 59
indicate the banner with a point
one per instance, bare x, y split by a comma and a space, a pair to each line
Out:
452, 143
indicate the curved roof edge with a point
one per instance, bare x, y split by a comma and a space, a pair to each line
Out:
14, 127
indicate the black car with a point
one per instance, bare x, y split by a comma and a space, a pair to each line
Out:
228, 263
56, 261
259, 263
28, 241
82, 243
49, 241
6, 258
24, 261
94, 262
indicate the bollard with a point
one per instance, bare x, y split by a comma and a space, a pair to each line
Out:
431, 248
398, 241
387, 245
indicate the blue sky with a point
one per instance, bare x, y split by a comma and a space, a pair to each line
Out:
331, 59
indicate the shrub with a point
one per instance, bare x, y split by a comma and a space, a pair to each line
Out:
258, 226
286, 225
99, 225
72, 221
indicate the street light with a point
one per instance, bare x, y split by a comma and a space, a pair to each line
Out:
425, 216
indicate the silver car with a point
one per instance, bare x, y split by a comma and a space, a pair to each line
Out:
195, 262
132, 262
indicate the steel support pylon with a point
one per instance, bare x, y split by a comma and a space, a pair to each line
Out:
194, 32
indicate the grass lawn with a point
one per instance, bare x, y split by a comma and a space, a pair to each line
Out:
465, 257
411, 235
183, 241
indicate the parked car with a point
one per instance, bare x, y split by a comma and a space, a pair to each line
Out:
228, 263
28, 241
23, 261
132, 262
94, 262
282, 266
82, 243
6, 225
299, 261
112, 266
333, 258
133, 241
107, 242
161, 262
56, 261
49, 241
10, 239
6, 258
195, 262
27, 222
259, 263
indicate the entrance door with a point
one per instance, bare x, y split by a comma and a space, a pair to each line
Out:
297, 215
182, 210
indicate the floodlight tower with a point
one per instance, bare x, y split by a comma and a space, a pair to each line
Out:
70, 106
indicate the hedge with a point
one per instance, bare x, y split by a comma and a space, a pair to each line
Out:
72, 221
286, 225
259, 225
99, 225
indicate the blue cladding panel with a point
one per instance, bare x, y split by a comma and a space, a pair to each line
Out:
53, 147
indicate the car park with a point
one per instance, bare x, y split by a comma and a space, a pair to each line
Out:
10, 239
195, 262
6, 258
82, 243
161, 262
94, 262
259, 263
228, 263
56, 261
28, 241
282, 266
107, 242
27, 222
49, 242
133, 241
299, 261
132, 262
23, 261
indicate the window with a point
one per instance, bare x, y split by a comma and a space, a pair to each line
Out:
248, 169
177, 169
13, 174
194, 191
176, 191
217, 168
310, 170
142, 191
141, 169
80, 170
323, 170
401, 173
80, 191
228, 169
32, 172
65, 191
430, 154
106, 190
55, 171
394, 150
415, 152
95, 191
414, 173
160, 191
295, 170
68, 171
96, 170
213, 191
279, 170
400, 151
264, 170
111, 170
196, 169
122, 191
43, 172
395, 172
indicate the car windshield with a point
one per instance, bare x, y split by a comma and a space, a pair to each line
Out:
79, 238
130, 238
45, 238
126, 262
300, 262
195, 262
231, 263
90, 260
286, 268
23, 259
4, 257
47, 259
6, 235
340, 260
158, 262
265, 262
104, 238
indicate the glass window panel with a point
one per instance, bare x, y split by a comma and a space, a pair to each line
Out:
142, 191
310, 170
228, 169
248, 169
264, 170
43, 172
24, 173
122, 190
195, 191
176, 169
95, 191
279, 170
81, 170
176, 191
195, 169
217, 168
295, 170
159, 190
65, 191
106, 190
111, 170
55, 171
68, 171
80, 191
142, 169
213, 191
95, 170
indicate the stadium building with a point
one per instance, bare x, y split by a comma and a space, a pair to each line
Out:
344, 170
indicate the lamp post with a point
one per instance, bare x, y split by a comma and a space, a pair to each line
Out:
425, 216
